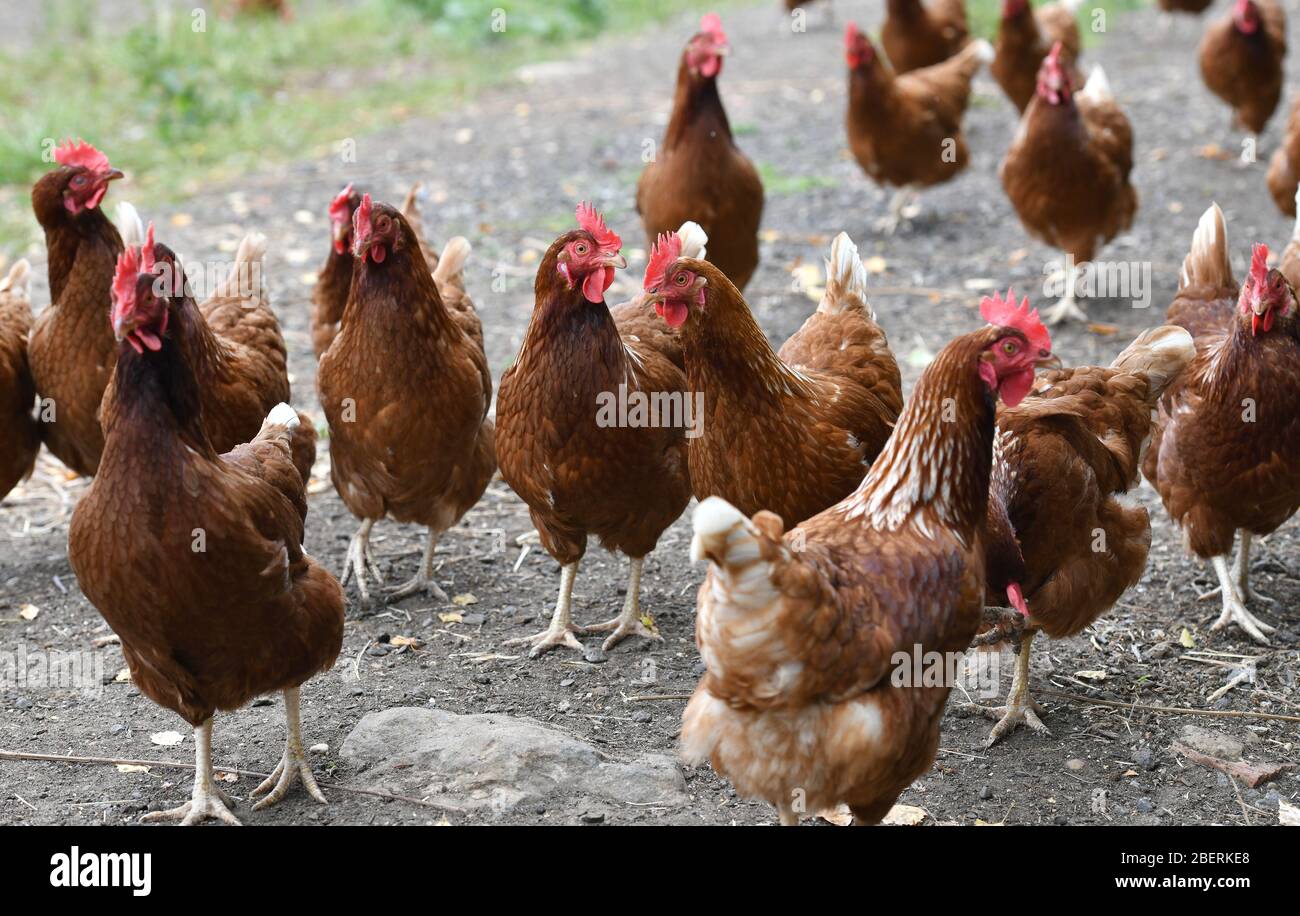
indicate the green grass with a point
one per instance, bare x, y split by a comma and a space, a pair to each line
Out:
178, 108
983, 16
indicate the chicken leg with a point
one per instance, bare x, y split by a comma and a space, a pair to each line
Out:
561, 632
207, 802
293, 765
1067, 306
1234, 607
902, 206
629, 622
360, 559
1020, 708
1240, 575
422, 580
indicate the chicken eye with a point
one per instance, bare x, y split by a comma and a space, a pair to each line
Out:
79, 181
580, 248
1009, 348
681, 279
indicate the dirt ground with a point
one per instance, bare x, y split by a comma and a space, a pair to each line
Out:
505, 170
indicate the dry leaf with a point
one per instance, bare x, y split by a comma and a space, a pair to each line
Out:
131, 768
225, 777
181, 220
840, 816
1175, 207
123, 676
464, 135
166, 739
400, 641
905, 816
1186, 638
1091, 675
451, 618
28, 612
1214, 151
1288, 815
1157, 154
1252, 774
464, 600
1104, 330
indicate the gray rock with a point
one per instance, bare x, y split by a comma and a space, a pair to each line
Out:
1145, 758
1145, 805
986, 792
499, 764
1207, 741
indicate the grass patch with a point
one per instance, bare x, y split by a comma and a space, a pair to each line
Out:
984, 15
777, 182
178, 101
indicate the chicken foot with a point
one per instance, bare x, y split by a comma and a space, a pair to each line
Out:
561, 632
1234, 608
207, 801
629, 622
423, 580
293, 765
1240, 576
902, 206
359, 559
1067, 306
1020, 708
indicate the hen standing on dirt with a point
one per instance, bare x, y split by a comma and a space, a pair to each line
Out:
1026, 36
20, 435
1072, 450
194, 557
915, 35
801, 631
72, 350
1223, 456
579, 473
406, 389
1241, 60
1067, 171
699, 174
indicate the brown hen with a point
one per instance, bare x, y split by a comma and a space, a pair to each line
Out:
1241, 60
20, 434
1026, 36
583, 469
916, 35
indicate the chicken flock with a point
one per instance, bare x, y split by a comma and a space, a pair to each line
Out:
840, 524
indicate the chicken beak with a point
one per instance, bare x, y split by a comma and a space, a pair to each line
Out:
616, 261
1051, 361
113, 175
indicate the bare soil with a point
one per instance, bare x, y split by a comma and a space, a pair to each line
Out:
506, 169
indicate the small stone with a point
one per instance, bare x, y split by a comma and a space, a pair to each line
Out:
1145, 805
1145, 758
1074, 763
596, 655
641, 715
986, 792
379, 650
482, 679
356, 692
117, 729
263, 701
699, 669
1061, 820
567, 682
473, 620
319, 749
593, 817
23, 703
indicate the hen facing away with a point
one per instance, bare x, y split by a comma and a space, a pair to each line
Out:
72, 350
1067, 171
582, 469
802, 631
698, 173
1072, 450
1221, 457
791, 431
414, 440
194, 557
905, 129
1284, 165
20, 435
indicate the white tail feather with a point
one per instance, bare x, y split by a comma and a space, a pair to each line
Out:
983, 50
246, 279
18, 281
693, 239
846, 278
1207, 261
129, 225
1159, 354
451, 263
719, 528
282, 415
1098, 86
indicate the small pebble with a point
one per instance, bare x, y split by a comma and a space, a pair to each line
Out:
23, 703
986, 792
1145, 758
595, 654
593, 817
1145, 805
319, 749
641, 715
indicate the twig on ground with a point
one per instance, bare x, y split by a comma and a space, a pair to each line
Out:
1173, 710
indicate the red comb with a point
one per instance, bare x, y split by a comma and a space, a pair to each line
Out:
594, 223
667, 250
850, 35
147, 259
128, 268
1259, 262
339, 206
80, 155
1003, 313
712, 23
361, 224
